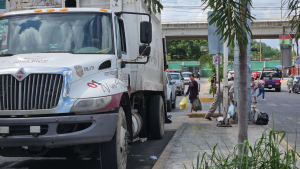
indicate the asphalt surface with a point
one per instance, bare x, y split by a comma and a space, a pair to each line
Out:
284, 106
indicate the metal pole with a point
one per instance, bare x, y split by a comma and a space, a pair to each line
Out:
293, 55
281, 10
260, 50
219, 87
225, 88
282, 52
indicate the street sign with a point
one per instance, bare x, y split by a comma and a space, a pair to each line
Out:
216, 58
297, 61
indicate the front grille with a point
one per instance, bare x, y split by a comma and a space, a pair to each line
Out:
36, 91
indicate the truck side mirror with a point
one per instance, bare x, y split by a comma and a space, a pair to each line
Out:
145, 32
144, 50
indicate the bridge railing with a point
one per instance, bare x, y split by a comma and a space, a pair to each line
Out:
205, 21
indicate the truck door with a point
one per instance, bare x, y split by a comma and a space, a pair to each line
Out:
124, 73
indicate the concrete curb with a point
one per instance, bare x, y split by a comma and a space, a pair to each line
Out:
195, 115
163, 158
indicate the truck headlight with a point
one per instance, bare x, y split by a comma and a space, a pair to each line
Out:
90, 104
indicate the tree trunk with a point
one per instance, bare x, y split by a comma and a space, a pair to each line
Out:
242, 95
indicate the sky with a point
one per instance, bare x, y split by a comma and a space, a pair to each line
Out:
191, 10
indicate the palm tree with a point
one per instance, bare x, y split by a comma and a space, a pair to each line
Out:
231, 21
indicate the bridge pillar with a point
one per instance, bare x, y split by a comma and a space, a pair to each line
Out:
286, 58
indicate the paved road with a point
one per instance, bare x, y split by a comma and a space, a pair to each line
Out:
285, 108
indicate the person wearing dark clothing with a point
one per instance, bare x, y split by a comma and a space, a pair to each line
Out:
192, 91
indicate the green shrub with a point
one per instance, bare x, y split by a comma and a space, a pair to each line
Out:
265, 154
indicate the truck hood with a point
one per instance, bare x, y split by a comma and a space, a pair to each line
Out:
82, 65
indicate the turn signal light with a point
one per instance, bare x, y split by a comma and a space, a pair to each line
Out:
103, 10
38, 10
51, 10
2, 14
64, 9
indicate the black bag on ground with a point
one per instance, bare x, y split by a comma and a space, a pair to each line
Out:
197, 105
262, 118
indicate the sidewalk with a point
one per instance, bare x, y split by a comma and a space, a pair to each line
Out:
197, 135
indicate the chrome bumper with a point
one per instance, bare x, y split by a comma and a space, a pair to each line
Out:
102, 130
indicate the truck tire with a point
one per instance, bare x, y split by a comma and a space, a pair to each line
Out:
142, 112
113, 154
169, 105
157, 117
174, 104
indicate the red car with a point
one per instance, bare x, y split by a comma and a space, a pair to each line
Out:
256, 75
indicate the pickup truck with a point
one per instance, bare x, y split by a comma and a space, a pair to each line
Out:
86, 80
272, 78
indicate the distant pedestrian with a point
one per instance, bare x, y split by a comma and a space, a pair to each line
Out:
261, 88
198, 81
192, 91
253, 89
290, 83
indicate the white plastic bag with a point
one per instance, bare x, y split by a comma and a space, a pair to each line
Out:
231, 110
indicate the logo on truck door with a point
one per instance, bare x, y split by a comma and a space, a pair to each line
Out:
79, 70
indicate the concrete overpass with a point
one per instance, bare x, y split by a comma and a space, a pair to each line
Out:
260, 30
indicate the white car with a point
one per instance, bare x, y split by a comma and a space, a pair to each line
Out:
296, 79
186, 76
171, 93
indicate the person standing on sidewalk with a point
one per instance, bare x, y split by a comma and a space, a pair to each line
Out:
192, 91
290, 83
253, 89
261, 88
215, 104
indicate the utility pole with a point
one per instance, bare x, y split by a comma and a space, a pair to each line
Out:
293, 55
281, 10
282, 52
260, 50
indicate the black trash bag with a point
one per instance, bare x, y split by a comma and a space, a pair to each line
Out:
197, 105
262, 118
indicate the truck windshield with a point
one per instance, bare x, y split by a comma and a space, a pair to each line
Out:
89, 33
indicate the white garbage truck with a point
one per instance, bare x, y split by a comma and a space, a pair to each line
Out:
83, 78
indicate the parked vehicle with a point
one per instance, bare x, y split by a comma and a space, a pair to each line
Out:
171, 93
296, 84
272, 78
179, 83
256, 75
186, 76
67, 80
230, 75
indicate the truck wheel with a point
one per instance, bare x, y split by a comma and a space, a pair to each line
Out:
142, 112
113, 154
169, 105
157, 117
174, 104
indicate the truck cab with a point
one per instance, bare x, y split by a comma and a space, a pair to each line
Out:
80, 79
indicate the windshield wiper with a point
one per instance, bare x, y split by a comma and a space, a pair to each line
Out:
7, 54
